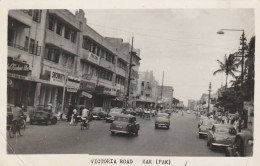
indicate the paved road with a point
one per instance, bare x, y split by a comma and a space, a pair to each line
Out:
180, 140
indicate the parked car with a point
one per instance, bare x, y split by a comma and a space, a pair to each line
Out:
43, 115
201, 119
129, 111
221, 135
125, 124
98, 113
205, 127
162, 120
113, 112
243, 145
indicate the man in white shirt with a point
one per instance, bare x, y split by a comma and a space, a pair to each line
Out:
85, 113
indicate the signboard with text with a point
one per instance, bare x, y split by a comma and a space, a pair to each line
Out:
57, 78
17, 67
93, 58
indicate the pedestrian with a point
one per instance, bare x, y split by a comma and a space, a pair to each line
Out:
73, 116
85, 114
235, 125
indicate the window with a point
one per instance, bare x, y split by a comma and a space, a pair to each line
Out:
52, 55
51, 24
37, 15
67, 33
59, 29
73, 36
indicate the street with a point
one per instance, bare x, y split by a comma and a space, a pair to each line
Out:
180, 140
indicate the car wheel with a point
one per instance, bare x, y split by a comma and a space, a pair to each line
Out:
112, 132
200, 136
168, 127
156, 126
136, 133
211, 147
54, 121
208, 143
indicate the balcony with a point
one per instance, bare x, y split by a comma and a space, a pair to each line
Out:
33, 48
104, 82
66, 16
21, 17
57, 40
121, 72
107, 65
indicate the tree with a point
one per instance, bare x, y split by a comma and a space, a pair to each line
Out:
228, 66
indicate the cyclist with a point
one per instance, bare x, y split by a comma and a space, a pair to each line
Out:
17, 113
85, 114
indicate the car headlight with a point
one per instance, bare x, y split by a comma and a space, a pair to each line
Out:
250, 142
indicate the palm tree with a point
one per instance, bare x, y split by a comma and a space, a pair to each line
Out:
229, 66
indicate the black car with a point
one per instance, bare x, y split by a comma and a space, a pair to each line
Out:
98, 113
113, 112
43, 115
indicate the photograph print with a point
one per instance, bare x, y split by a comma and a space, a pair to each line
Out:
133, 82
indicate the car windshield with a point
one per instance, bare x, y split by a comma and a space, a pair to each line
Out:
122, 119
116, 111
222, 129
162, 115
96, 109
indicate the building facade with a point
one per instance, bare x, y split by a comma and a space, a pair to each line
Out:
165, 95
147, 90
55, 58
192, 104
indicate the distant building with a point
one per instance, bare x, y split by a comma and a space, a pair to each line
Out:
192, 104
146, 89
165, 94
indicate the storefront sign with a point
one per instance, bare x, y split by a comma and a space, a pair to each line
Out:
107, 91
93, 58
72, 89
57, 78
17, 67
113, 91
86, 94
18, 76
87, 86
73, 82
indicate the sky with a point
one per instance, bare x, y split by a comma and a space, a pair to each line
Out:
181, 42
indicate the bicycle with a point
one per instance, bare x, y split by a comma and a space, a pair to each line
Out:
16, 127
84, 124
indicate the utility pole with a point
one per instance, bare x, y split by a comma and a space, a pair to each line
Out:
129, 75
209, 97
162, 85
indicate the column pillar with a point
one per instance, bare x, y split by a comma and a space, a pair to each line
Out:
37, 94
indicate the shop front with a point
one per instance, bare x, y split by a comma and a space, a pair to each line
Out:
20, 85
85, 94
104, 97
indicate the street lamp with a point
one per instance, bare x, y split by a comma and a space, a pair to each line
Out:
243, 44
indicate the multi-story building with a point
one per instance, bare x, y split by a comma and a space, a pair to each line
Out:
147, 90
123, 68
55, 58
165, 95
192, 104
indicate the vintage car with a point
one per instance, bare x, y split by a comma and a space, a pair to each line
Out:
43, 115
221, 135
201, 119
125, 124
205, 127
243, 145
130, 111
113, 112
162, 120
98, 113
